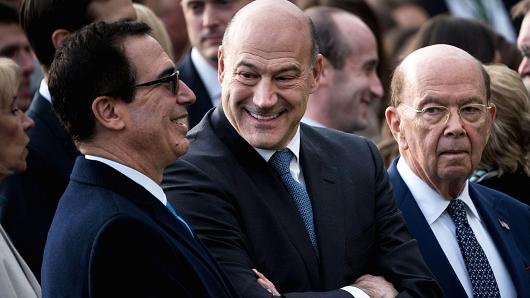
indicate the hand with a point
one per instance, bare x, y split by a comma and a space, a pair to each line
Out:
375, 286
265, 283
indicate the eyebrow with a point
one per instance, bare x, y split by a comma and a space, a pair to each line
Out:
166, 72
280, 70
436, 100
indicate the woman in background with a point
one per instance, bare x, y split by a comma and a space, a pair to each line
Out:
16, 279
505, 163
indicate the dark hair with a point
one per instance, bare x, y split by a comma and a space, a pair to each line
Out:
471, 36
8, 14
40, 18
91, 63
330, 41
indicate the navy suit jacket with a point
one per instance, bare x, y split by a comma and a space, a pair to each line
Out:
33, 195
190, 76
513, 243
111, 238
239, 206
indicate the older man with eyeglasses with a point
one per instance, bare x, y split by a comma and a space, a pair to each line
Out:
474, 239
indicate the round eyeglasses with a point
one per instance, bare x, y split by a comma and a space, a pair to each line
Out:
472, 113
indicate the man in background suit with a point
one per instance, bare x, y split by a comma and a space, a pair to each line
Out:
317, 233
121, 100
33, 195
349, 82
206, 21
15, 45
474, 239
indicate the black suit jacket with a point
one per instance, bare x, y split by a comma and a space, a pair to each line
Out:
240, 208
34, 194
513, 243
190, 76
111, 238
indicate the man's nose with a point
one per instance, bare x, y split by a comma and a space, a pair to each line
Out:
265, 95
210, 16
185, 96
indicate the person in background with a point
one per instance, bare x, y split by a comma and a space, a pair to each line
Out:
309, 208
349, 83
16, 279
522, 9
505, 162
206, 21
15, 45
158, 30
474, 239
113, 234
33, 195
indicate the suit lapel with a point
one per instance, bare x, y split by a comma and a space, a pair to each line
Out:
96, 173
320, 175
418, 227
271, 190
492, 214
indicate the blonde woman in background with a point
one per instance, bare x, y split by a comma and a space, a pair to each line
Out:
16, 279
158, 31
505, 163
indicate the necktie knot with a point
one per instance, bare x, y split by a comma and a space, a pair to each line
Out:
281, 160
457, 211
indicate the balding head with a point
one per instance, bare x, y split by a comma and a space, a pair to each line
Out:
273, 21
439, 58
440, 116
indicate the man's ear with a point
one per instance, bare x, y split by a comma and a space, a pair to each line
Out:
109, 112
393, 120
326, 74
220, 64
316, 73
58, 37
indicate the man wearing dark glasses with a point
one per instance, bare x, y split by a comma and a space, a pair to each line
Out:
114, 234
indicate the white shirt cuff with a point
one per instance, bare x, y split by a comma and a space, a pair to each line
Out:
356, 292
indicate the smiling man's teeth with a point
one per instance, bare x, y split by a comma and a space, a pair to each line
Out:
181, 121
262, 117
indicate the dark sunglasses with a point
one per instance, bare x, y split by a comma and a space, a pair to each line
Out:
172, 79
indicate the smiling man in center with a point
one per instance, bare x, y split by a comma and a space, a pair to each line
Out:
310, 208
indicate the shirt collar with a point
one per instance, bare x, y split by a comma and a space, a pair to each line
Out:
294, 146
44, 91
208, 75
431, 203
311, 122
144, 181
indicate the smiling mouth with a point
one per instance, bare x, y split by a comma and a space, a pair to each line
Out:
264, 117
180, 121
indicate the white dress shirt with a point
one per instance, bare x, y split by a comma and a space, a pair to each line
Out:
151, 186
433, 206
311, 122
44, 91
208, 76
296, 172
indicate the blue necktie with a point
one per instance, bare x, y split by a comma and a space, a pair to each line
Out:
168, 205
477, 265
280, 161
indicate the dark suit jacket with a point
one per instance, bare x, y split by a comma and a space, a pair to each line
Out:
493, 206
190, 76
111, 238
34, 194
240, 208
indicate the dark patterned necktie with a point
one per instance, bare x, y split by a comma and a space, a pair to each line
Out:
477, 265
280, 161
